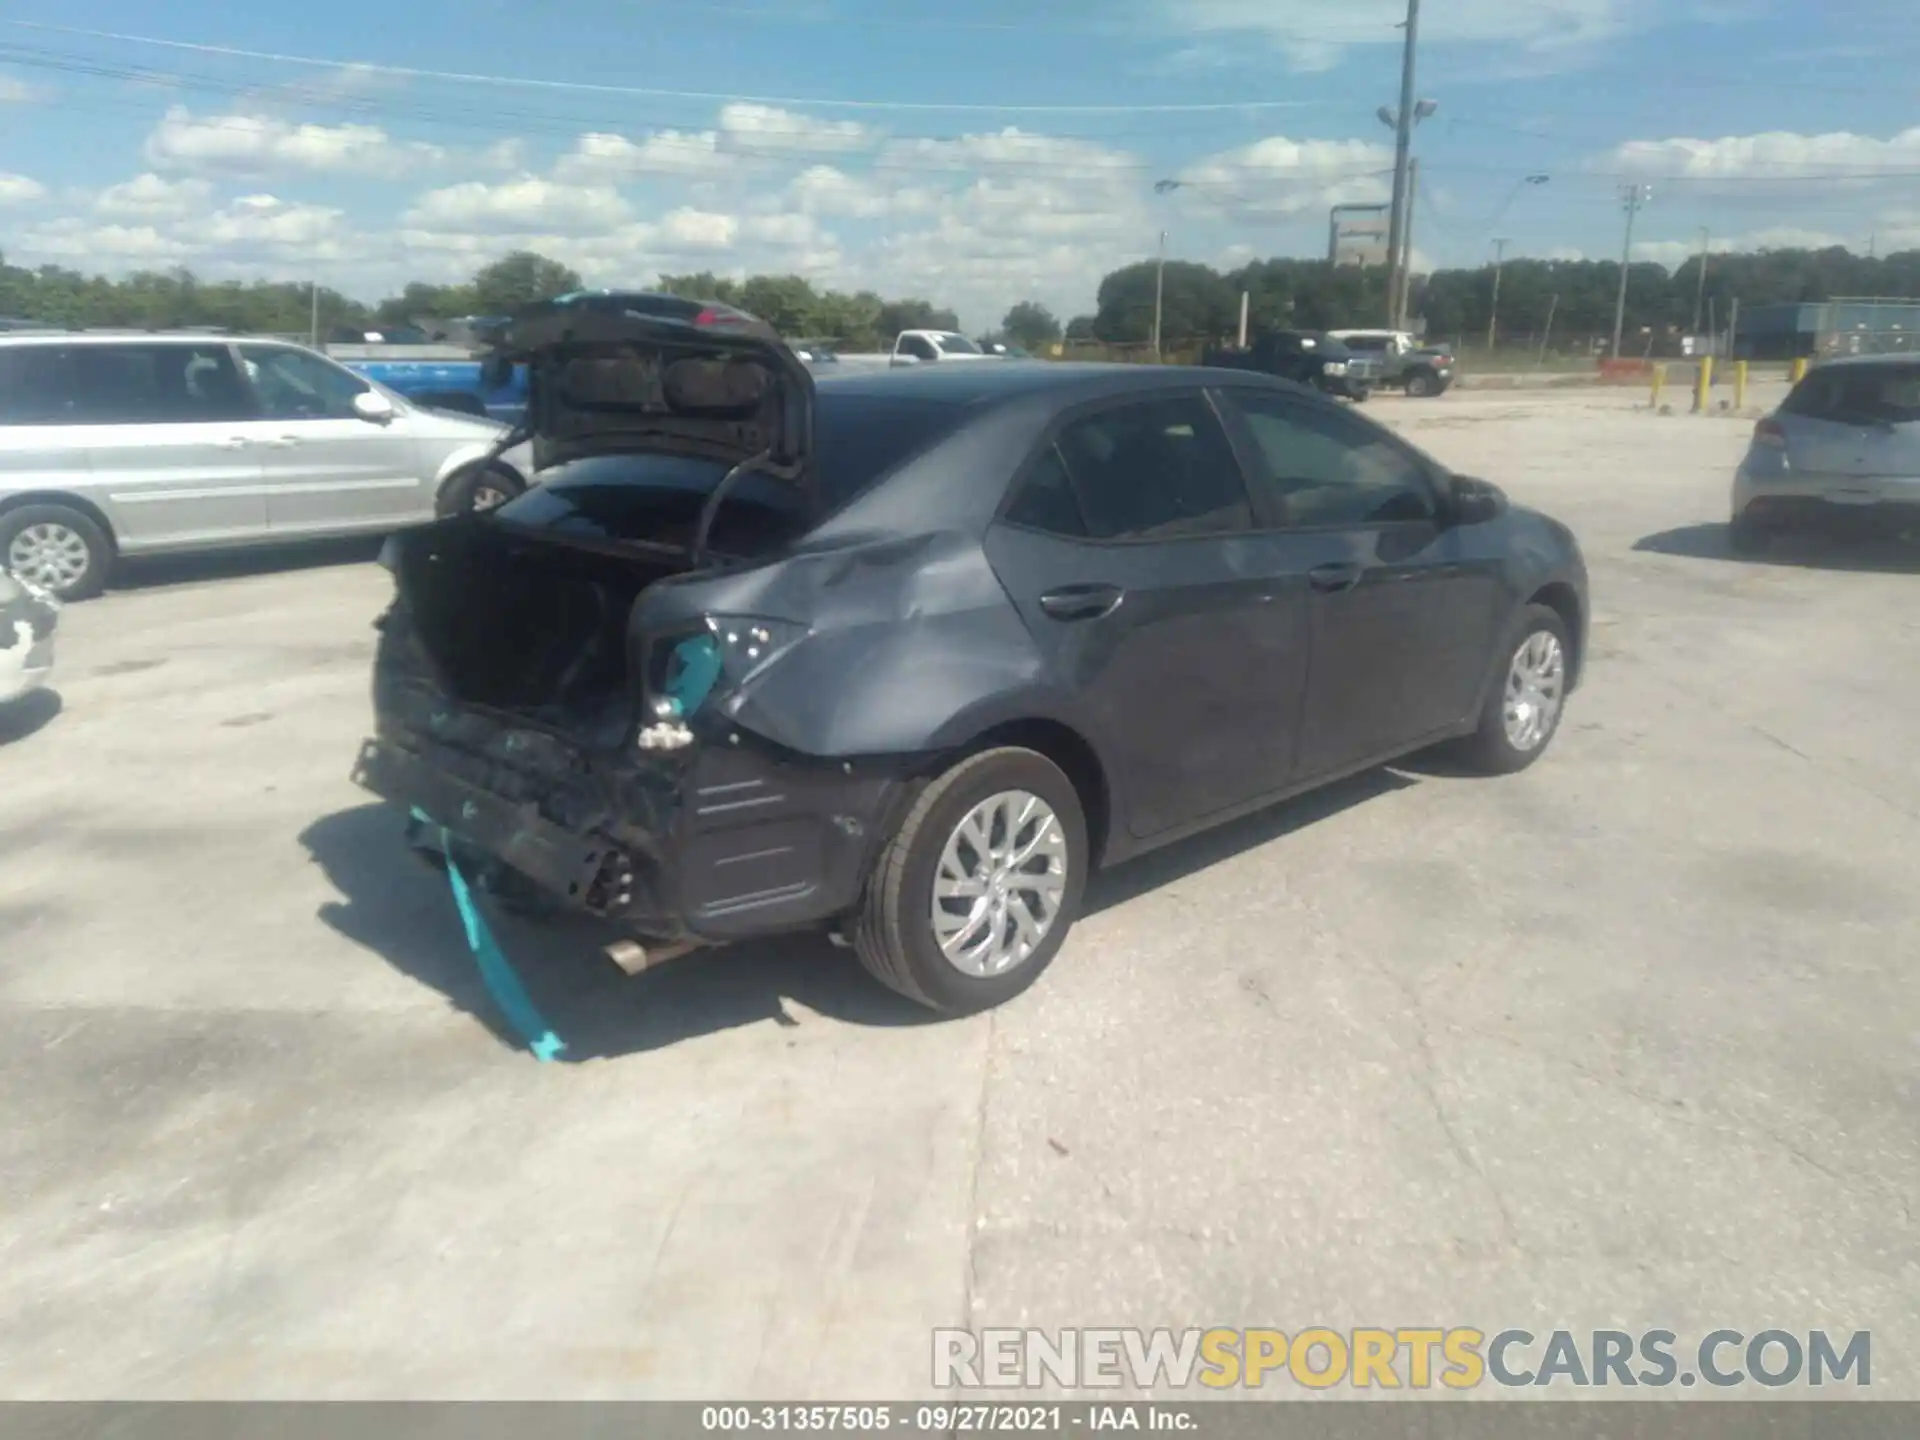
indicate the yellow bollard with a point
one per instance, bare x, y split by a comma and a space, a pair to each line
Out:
1659, 383
1739, 386
1703, 385
1798, 370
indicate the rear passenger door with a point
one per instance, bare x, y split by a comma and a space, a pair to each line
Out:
172, 440
1130, 546
1401, 603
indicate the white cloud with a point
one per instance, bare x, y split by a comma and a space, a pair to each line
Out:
268, 222
1675, 253
1313, 34
71, 240
602, 158
825, 190
15, 91
765, 128
254, 144
526, 204
1776, 155
19, 189
1011, 149
151, 195
508, 155
1278, 176
686, 229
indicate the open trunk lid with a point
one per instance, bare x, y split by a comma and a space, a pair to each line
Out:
624, 373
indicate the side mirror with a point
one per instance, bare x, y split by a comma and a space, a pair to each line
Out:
373, 407
1473, 501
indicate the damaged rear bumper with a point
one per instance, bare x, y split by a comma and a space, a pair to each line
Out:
723, 841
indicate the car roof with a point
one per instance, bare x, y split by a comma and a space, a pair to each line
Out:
1070, 381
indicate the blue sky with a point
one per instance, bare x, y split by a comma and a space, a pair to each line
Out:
975, 155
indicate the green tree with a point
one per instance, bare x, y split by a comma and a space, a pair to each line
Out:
520, 279
898, 315
1196, 303
1030, 325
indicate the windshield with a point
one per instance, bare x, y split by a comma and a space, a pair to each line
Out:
857, 440
956, 345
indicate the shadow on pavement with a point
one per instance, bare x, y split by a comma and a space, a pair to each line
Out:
1882, 554
1210, 847
154, 571
398, 906
28, 715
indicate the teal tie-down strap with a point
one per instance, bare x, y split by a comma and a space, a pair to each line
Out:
496, 971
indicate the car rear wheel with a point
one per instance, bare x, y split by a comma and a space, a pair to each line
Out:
1523, 709
60, 549
1747, 536
1421, 385
479, 488
975, 893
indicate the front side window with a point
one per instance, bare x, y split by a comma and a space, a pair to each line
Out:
919, 347
293, 385
1324, 467
1155, 469
957, 345
138, 384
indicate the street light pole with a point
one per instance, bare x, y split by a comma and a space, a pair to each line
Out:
1493, 311
1632, 197
1402, 151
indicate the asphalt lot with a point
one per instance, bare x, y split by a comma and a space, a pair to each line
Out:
1627, 1040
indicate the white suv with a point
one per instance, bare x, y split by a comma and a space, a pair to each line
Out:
135, 443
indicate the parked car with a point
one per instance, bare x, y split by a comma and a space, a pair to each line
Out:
435, 375
28, 617
1306, 357
907, 656
117, 445
1842, 452
1404, 363
924, 347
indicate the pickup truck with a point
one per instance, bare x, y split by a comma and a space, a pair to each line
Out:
445, 377
918, 347
1306, 357
1404, 363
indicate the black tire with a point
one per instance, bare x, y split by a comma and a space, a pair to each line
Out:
459, 495
1422, 386
1747, 536
99, 547
893, 931
1361, 394
1488, 749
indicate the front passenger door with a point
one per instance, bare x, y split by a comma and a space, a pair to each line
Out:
327, 470
1402, 603
1129, 548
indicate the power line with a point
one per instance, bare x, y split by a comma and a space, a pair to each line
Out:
407, 72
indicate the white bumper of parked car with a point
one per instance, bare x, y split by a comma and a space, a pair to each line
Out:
25, 663
1775, 480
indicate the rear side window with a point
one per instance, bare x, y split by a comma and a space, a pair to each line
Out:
1155, 470
1045, 500
1859, 395
158, 384
36, 385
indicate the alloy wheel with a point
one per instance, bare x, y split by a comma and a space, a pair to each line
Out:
1536, 686
1000, 884
50, 555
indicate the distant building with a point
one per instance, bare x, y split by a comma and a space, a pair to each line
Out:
1828, 328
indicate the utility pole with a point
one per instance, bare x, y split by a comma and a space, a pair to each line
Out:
1552, 306
1406, 245
1159, 288
1493, 311
1632, 197
1700, 290
1403, 122
313, 319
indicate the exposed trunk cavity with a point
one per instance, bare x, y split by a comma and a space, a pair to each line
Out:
515, 622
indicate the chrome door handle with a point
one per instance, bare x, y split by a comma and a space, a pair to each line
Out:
232, 442
282, 442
